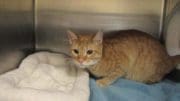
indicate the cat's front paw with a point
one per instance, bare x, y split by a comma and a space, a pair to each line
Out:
102, 83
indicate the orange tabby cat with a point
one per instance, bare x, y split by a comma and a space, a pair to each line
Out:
132, 54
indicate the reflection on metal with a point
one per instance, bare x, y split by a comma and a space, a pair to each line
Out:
16, 32
170, 4
51, 30
171, 8
16, 5
16, 25
54, 17
103, 6
10, 59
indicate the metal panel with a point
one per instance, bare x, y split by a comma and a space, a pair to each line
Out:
16, 32
170, 4
54, 17
171, 8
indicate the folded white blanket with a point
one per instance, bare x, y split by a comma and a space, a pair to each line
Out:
45, 76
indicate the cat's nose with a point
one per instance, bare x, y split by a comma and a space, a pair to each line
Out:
81, 60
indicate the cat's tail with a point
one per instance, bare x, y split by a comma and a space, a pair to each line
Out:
176, 60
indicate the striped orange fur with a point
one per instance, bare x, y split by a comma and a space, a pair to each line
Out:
132, 54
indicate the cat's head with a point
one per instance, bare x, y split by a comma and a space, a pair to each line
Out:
86, 50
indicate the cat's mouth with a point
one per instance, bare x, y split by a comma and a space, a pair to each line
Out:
80, 65
85, 64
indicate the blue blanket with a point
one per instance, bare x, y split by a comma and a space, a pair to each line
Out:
126, 90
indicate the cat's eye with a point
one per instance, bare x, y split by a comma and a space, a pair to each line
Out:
75, 51
89, 52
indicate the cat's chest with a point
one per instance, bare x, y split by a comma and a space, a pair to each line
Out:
101, 69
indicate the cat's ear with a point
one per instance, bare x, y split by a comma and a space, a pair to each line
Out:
71, 36
98, 37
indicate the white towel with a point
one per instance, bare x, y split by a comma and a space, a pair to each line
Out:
45, 76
